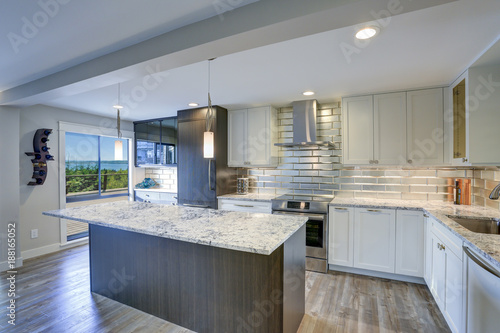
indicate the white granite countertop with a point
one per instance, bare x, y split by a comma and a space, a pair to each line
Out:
155, 189
247, 232
486, 244
248, 197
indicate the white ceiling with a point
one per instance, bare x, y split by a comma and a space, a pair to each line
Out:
67, 33
429, 47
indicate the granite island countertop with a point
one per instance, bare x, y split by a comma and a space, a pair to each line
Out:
247, 232
486, 244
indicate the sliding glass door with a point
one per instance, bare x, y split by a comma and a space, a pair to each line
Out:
96, 171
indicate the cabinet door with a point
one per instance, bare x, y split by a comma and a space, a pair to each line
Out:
389, 140
428, 250
410, 243
341, 237
438, 271
237, 133
374, 239
483, 99
425, 129
454, 291
258, 144
357, 117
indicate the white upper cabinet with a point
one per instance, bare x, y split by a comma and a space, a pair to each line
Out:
425, 127
389, 144
484, 114
251, 137
404, 128
357, 123
237, 134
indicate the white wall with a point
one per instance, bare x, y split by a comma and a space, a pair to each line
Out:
36, 199
9, 178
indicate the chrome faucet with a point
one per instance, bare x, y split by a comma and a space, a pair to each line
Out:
495, 194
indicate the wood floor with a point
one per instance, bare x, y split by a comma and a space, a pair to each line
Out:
53, 295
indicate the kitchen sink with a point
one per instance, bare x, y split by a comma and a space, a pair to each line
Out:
483, 225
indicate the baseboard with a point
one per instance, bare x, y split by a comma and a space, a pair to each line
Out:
40, 251
382, 275
4, 265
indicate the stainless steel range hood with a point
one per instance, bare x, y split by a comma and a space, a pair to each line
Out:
304, 126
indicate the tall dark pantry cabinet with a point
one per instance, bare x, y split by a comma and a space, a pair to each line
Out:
199, 184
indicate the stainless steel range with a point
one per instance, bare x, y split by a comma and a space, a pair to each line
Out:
316, 229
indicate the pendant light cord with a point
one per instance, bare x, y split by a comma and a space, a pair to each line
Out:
210, 113
118, 125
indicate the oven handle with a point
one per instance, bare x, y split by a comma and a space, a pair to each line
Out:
319, 217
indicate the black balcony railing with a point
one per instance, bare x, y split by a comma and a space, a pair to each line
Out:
89, 183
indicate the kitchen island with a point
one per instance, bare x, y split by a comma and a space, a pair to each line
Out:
206, 270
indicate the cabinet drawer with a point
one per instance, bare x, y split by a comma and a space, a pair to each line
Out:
453, 242
146, 196
245, 206
168, 197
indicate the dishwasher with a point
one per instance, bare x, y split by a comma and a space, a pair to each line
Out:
483, 294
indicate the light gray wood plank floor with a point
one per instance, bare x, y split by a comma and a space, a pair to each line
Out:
53, 295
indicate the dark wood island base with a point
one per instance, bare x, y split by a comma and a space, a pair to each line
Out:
200, 287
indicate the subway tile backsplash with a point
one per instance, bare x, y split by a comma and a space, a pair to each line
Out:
316, 173
166, 177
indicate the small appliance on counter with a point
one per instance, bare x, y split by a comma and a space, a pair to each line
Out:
242, 185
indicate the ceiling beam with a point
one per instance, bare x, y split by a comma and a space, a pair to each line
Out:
258, 24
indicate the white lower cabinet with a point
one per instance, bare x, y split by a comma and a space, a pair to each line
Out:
384, 240
410, 243
446, 275
341, 236
375, 239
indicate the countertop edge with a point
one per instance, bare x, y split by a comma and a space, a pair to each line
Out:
449, 224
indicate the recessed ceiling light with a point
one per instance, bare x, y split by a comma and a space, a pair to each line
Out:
193, 104
308, 93
367, 33
118, 106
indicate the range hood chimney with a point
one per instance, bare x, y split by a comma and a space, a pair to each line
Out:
304, 126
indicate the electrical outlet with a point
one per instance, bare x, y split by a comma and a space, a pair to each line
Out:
34, 233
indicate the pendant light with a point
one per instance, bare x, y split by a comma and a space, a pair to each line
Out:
208, 136
118, 143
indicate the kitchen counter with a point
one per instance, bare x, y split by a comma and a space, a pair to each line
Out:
248, 197
486, 244
203, 269
255, 233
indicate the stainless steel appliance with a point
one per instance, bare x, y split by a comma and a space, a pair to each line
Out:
483, 294
316, 229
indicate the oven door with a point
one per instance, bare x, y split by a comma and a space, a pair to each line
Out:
316, 233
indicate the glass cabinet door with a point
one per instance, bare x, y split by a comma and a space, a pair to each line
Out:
156, 141
147, 137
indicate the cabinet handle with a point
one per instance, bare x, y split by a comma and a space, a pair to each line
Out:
410, 161
441, 246
371, 161
464, 159
376, 161
339, 208
374, 210
425, 215
246, 206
